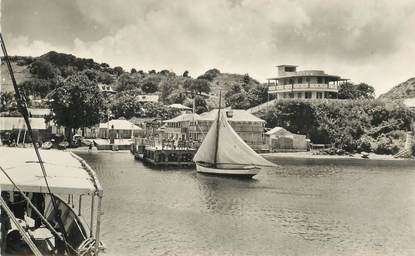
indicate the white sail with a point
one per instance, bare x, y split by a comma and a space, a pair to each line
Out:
232, 150
206, 151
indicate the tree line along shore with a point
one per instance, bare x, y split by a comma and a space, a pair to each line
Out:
69, 87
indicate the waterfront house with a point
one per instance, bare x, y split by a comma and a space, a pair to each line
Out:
150, 125
304, 84
121, 129
178, 127
14, 128
194, 127
279, 139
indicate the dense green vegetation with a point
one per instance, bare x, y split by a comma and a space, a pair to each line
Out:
48, 72
352, 125
77, 103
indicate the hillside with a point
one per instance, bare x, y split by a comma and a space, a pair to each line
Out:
401, 91
21, 73
38, 76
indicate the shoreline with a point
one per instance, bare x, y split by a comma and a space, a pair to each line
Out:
312, 155
307, 158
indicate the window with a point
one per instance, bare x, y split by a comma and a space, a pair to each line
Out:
299, 95
291, 81
319, 80
307, 95
319, 95
300, 80
289, 69
284, 95
327, 95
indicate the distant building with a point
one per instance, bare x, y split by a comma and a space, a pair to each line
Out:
15, 128
179, 126
122, 129
195, 127
106, 89
148, 98
305, 84
279, 139
39, 112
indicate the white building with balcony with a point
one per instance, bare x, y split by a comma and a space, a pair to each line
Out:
305, 84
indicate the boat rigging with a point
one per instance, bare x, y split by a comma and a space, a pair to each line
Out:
69, 233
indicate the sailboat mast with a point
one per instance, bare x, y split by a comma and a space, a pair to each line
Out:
217, 130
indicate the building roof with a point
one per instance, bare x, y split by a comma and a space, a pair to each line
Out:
15, 123
179, 106
39, 111
66, 173
119, 125
187, 117
285, 65
239, 115
141, 120
276, 130
306, 74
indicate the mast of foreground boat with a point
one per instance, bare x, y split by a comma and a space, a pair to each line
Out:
217, 132
22, 106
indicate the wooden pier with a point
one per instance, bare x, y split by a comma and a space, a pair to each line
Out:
166, 157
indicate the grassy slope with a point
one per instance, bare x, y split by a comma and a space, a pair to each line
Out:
21, 74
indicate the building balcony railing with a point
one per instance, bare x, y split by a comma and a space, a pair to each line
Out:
303, 87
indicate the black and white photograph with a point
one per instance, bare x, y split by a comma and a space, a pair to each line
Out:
207, 128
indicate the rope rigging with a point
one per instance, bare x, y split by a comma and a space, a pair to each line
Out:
22, 106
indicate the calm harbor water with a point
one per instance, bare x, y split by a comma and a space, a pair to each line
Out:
297, 209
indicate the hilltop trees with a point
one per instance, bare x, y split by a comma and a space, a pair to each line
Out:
43, 69
77, 103
127, 82
118, 70
197, 86
240, 96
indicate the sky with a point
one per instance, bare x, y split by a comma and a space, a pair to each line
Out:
371, 41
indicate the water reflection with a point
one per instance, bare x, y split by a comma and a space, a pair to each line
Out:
224, 195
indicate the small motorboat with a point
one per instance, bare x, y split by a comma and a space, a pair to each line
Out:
364, 155
47, 145
63, 145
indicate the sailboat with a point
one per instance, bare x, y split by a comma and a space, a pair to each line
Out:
223, 152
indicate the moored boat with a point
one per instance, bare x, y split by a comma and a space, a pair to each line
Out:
223, 152
47, 145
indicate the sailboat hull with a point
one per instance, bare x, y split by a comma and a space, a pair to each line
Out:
237, 172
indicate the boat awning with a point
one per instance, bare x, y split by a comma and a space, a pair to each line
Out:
65, 173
